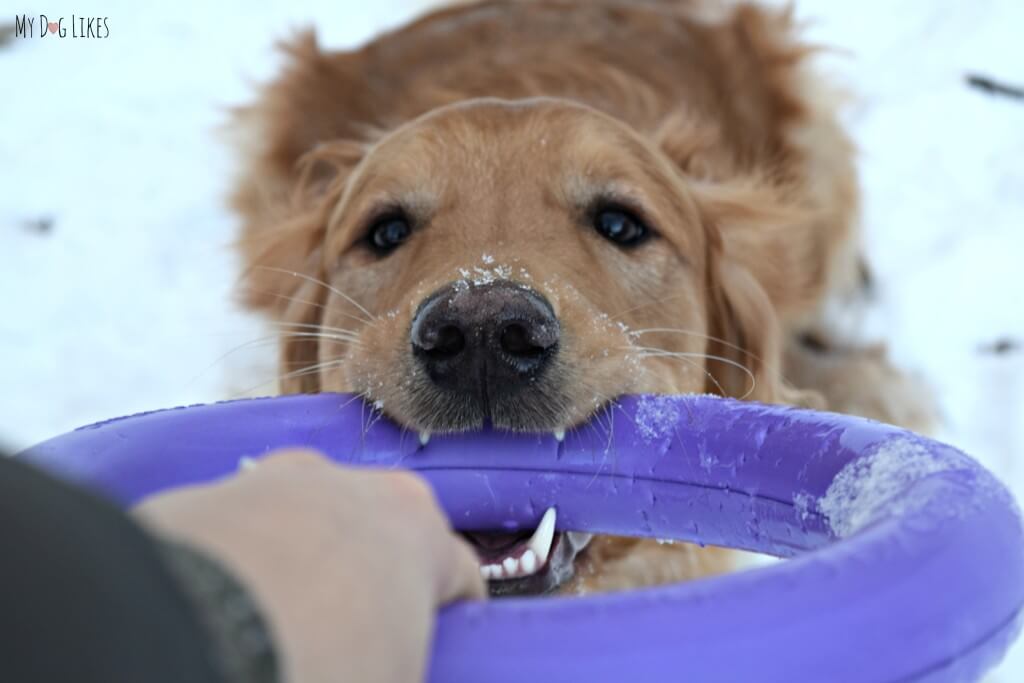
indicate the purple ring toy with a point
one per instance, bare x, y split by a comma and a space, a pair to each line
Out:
908, 556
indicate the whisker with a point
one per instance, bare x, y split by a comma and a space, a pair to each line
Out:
315, 304
649, 303
724, 342
267, 340
679, 330
347, 338
601, 420
352, 341
650, 352
301, 372
714, 380
316, 326
376, 413
327, 420
371, 317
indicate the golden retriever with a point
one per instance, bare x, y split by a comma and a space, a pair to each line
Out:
511, 212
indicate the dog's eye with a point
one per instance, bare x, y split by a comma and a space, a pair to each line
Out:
388, 233
620, 226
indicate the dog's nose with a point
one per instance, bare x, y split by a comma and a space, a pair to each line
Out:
485, 340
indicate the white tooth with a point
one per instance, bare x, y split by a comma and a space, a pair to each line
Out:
485, 572
246, 463
559, 435
424, 438
528, 562
540, 542
511, 566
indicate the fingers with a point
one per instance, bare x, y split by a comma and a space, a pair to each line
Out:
462, 580
403, 496
289, 457
458, 569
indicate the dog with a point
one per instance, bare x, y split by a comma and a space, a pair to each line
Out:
511, 212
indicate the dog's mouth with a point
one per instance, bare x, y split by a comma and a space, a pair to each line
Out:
527, 562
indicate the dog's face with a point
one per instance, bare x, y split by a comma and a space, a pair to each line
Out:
513, 264
515, 260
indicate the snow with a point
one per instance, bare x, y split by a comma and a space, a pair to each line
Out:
483, 276
805, 505
877, 485
123, 304
656, 417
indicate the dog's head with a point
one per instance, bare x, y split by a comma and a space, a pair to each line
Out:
519, 264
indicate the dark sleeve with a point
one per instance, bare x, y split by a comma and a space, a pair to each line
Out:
86, 596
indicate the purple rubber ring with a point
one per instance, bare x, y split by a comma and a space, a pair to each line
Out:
908, 556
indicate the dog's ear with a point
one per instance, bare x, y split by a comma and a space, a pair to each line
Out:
756, 278
282, 238
282, 252
780, 243
744, 355
277, 259
283, 276
318, 97
298, 144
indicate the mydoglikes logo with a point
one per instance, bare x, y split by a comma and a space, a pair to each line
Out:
32, 26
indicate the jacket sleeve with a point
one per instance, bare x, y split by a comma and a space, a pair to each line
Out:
86, 595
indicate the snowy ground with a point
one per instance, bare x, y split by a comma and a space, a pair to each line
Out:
115, 276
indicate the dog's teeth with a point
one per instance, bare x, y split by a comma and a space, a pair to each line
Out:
559, 435
528, 562
540, 542
424, 438
533, 558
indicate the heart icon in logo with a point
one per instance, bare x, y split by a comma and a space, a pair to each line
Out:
53, 25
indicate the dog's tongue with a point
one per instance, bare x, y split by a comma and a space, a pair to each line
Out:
495, 542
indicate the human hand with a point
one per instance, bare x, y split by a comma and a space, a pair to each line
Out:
348, 566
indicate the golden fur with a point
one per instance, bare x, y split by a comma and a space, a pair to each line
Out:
495, 125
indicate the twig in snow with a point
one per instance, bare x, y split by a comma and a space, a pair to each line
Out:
6, 34
1001, 346
41, 226
991, 87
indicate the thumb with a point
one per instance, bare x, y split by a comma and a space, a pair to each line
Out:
462, 580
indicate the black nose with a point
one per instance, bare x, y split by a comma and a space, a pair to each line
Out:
485, 340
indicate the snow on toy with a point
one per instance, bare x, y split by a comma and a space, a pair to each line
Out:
907, 556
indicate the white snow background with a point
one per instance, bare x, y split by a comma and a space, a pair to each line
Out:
124, 303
